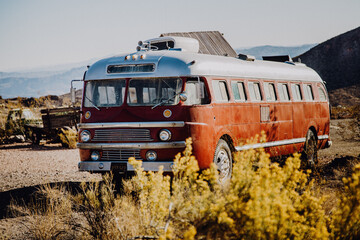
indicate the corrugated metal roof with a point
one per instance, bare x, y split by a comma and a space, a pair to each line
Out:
211, 42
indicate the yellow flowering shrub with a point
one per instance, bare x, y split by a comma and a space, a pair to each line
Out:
261, 201
346, 219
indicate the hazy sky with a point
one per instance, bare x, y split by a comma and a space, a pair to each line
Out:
35, 33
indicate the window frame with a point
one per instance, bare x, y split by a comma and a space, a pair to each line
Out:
200, 90
235, 85
308, 93
293, 93
216, 86
251, 85
320, 89
270, 93
282, 90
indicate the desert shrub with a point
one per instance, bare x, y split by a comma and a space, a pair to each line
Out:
104, 216
68, 138
346, 219
342, 112
95, 203
51, 216
261, 201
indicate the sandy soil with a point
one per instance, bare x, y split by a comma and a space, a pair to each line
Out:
25, 167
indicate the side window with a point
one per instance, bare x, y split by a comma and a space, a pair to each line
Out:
220, 90
309, 96
283, 92
270, 91
238, 89
196, 92
295, 88
322, 94
254, 90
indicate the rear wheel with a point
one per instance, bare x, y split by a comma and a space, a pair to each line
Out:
223, 161
35, 137
309, 155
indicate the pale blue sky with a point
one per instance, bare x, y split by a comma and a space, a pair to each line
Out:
35, 33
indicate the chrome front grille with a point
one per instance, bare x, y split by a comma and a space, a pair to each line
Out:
120, 155
122, 135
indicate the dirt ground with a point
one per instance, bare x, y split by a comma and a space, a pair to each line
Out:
25, 167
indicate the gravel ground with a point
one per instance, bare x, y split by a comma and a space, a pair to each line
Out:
24, 165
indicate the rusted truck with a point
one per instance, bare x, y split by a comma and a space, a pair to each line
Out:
54, 121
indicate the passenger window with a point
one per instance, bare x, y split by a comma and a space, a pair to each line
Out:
238, 89
283, 92
322, 94
196, 93
255, 93
220, 90
270, 91
309, 96
295, 88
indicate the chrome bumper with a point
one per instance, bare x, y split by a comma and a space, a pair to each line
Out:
99, 166
109, 146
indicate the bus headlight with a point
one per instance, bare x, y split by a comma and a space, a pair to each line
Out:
85, 136
95, 155
165, 135
151, 155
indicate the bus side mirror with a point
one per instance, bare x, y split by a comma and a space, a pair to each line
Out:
73, 91
73, 96
183, 96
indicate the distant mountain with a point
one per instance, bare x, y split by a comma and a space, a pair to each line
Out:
337, 61
36, 84
269, 50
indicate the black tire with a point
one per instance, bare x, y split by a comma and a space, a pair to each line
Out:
35, 137
223, 160
309, 155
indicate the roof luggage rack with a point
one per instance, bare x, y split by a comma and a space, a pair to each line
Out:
279, 58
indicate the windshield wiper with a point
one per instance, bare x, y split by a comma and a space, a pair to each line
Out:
92, 103
165, 101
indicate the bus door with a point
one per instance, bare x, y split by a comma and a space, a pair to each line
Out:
299, 117
268, 115
200, 120
276, 118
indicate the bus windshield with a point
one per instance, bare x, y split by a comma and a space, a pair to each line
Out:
105, 93
152, 91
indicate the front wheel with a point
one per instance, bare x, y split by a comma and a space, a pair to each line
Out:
223, 161
310, 150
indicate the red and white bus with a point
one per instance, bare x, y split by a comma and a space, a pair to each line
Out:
145, 104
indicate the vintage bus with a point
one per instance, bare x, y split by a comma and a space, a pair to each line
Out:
145, 104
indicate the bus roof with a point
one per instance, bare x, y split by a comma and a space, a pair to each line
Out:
177, 63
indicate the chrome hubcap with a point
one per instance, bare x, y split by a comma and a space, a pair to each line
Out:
223, 164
